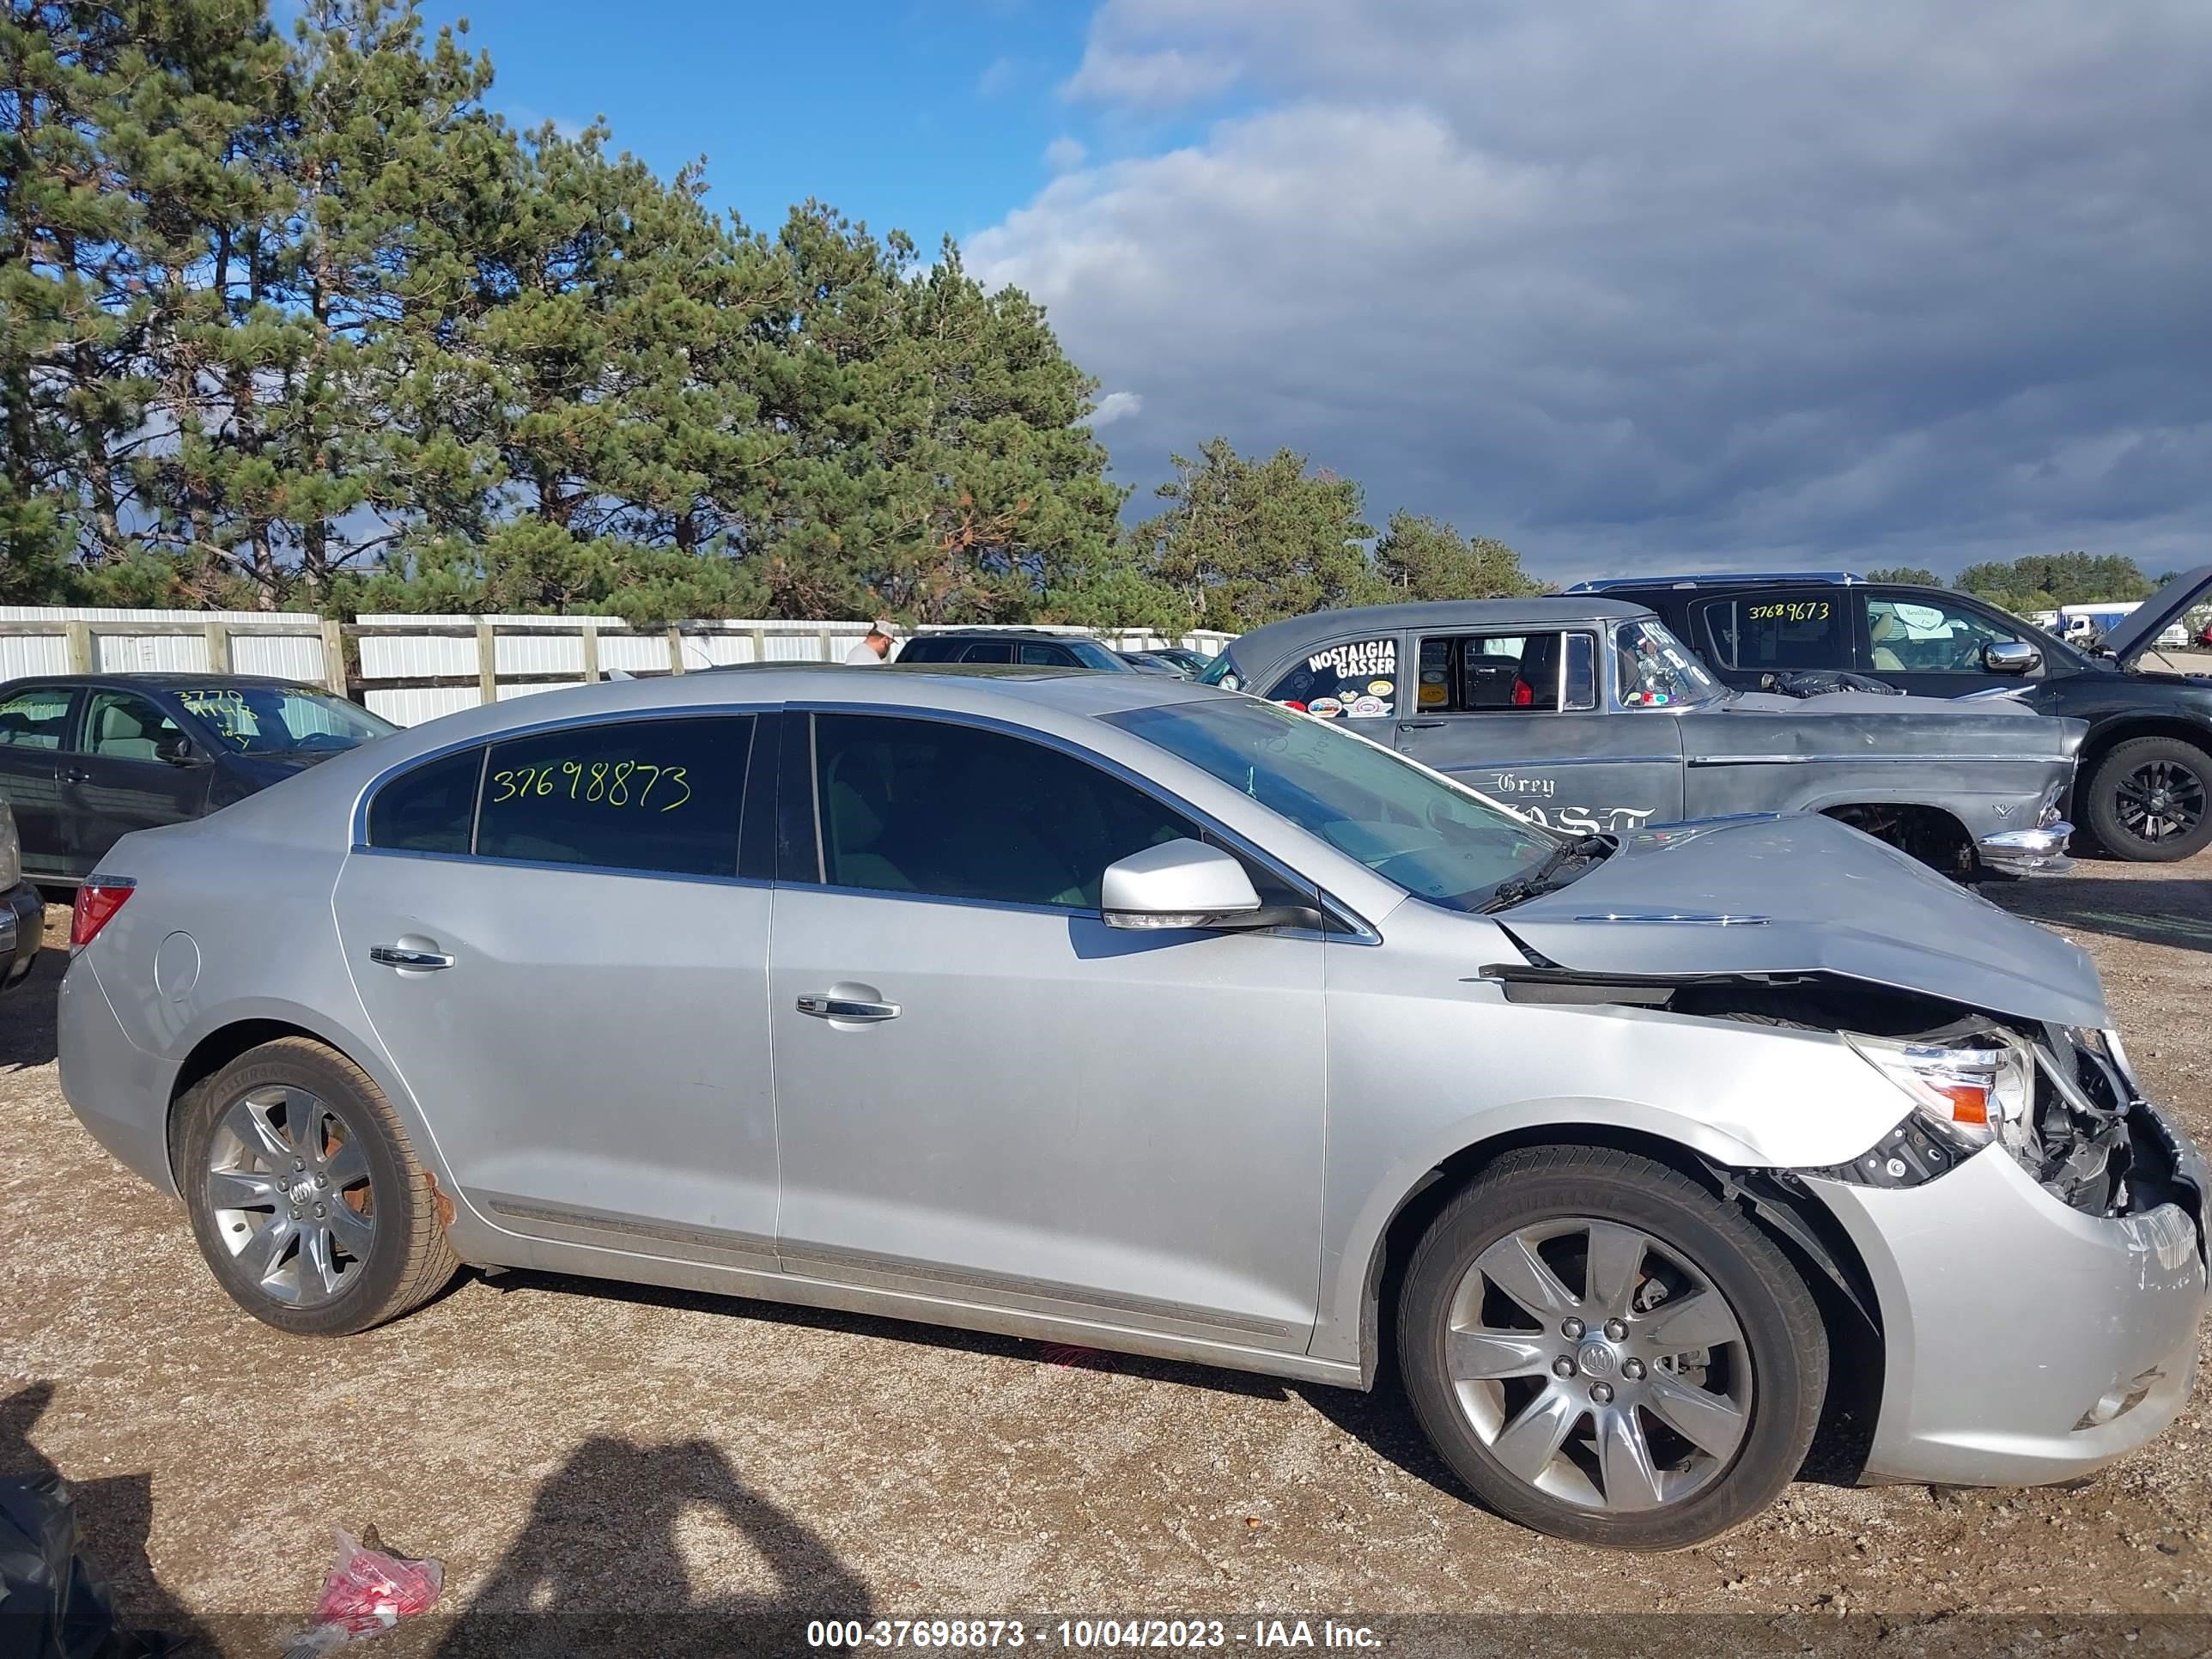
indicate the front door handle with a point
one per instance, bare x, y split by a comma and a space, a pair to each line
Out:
391, 956
74, 776
822, 1005
1418, 725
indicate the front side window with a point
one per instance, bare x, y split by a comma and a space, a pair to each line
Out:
1656, 670
1503, 673
1420, 831
1045, 656
1916, 637
277, 719
124, 726
1779, 635
928, 650
659, 795
992, 651
1357, 679
36, 718
953, 811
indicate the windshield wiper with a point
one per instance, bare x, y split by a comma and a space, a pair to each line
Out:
1551, 872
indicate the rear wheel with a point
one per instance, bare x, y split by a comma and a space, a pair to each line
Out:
2147, 800
1606, 1352
310, 1206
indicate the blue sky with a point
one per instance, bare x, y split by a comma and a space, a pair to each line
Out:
1718, 283
929, 118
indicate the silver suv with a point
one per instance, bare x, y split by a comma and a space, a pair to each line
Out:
828, 986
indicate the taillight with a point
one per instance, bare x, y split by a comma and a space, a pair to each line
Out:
97, 901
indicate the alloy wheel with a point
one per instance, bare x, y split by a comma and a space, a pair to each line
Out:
289, 1188
2160, 800
1631, 1392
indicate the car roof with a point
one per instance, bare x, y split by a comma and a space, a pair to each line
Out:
166, 680
1724, 579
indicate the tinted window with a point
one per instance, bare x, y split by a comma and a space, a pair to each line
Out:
35, 719
1088, 653
661, 795
989, 651
1358, 678
429, 810
1527, 673
1921, 637
931, 651
124, 726
1045, 656
921, 806
1784, 633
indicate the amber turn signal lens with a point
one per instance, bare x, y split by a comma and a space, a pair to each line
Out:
1970, 1102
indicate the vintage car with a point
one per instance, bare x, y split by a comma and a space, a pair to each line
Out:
1587, 715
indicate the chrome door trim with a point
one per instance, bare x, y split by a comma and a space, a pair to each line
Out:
861, 1267
1861, 759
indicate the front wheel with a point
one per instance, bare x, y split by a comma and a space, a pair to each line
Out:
2147, 800
1605, 1351
306, 1199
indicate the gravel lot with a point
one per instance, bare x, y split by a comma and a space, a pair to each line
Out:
711, 1473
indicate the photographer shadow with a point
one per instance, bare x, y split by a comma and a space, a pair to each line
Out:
598, 1567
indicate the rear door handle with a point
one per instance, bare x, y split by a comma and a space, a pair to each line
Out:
823, 1006
1418, 725
74, 776
391, 956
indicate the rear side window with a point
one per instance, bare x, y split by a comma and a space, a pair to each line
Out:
35, 719
1779, 632
930, 651
1507, 673
1358, 678
429, 810
989, 651
1046, 656
649, 795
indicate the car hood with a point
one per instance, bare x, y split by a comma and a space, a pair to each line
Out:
1804, 894
2140, 628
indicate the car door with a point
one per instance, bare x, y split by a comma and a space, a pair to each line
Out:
1752, 637
986, 1094
578, 1004
1933, 645
130, 767
1520, 715
34, 725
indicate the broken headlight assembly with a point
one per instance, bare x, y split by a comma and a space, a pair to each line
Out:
2061, 1108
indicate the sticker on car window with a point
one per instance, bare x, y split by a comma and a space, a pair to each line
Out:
1360, 660
1368, 707
1381, 688
1326, 707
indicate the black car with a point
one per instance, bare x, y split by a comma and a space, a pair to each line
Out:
85, 759
1032, 648
2147, 765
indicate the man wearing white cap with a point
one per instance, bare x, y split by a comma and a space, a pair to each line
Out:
873, 647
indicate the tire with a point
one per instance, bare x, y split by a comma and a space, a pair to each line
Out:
2145, 782
1599, 1456
380, 1248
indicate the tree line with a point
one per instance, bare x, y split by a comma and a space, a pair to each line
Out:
2041, 581
296, 319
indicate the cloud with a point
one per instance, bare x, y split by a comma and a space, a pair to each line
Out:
1633, 285
1064, 154
1116, 406
1000, 75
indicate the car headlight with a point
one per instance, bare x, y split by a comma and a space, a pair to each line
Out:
1970, 1091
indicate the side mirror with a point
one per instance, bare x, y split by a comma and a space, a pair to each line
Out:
2011, 657
1182, 884
176, 748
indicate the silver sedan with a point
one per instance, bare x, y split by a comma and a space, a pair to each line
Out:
831, 987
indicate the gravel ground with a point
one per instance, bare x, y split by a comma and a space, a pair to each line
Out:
710, 1473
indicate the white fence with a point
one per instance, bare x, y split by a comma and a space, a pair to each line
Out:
412, 668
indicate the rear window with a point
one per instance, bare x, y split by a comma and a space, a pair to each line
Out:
1358, 678
35, 719
651, 795
930, 651
1783, 632
429, 810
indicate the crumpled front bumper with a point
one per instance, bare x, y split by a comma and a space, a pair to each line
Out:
2040, 852
2026, 1342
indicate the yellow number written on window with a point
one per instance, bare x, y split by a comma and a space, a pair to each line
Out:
1799, 610
598, 783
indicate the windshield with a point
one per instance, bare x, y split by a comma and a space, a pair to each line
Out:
1091, 654
1426, 834
275, 720
1221, 672
1656, 670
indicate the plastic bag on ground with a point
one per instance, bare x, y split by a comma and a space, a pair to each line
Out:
53, 1604
368, 1591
